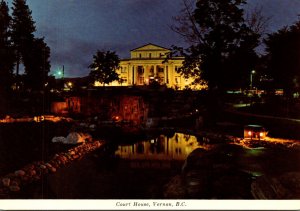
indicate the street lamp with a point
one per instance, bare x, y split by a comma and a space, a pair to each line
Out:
251, 79
61, 73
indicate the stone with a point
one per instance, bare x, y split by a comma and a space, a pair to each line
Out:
6, 182
25, 178
52, 169
36, 177
14, 188
43, 167
60, 139
15, 183
20, 173
30, 166
72, 152
75, 157
75, 138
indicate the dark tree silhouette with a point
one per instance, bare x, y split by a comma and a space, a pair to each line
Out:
6, 52
104, 66
23, 28
32, 52
223, 51
38, 61
283, 58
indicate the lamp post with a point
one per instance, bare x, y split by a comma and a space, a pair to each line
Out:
61, 73
251, 79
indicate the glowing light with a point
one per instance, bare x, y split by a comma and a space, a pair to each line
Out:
249, 133
116, 118
261, 134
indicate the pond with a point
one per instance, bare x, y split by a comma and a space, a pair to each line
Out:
135, 170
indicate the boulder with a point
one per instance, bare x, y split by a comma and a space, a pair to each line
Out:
59, 139
73, 138
20, 173
6, 182
14, 188
76, 138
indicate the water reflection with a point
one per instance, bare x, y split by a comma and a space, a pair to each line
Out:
158, 152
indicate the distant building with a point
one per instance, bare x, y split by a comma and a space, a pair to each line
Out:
147, 64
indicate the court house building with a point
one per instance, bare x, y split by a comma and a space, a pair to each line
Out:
147, 64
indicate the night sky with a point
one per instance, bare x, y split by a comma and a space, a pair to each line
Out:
76, 29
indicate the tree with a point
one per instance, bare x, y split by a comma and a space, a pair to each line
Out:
223, 46
185, 23
38, 61
104, 66
23, 28
6, 51
283, 53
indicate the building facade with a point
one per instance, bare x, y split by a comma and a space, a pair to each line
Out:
147, 64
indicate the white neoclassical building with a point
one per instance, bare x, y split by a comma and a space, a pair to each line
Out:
148, 63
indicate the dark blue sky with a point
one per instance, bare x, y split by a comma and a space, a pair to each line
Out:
75, 29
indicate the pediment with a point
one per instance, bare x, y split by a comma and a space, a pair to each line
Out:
150, 47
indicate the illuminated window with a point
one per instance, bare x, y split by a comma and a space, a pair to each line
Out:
140, 69
140, 149
178, 150
152, 69
123, 69
141, 80
160, 69
123, 80
161, 79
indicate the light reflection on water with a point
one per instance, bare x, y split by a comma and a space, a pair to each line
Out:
159, 152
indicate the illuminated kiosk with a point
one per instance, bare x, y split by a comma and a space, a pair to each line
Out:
254, 132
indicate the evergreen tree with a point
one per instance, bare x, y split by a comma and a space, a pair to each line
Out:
23, 28
38, 61
6, 51
32, 52
104, 66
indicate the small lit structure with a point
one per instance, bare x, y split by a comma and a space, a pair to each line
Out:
254, 132
116, 118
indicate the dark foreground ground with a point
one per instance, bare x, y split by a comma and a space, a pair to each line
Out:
23, 143
218, 169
